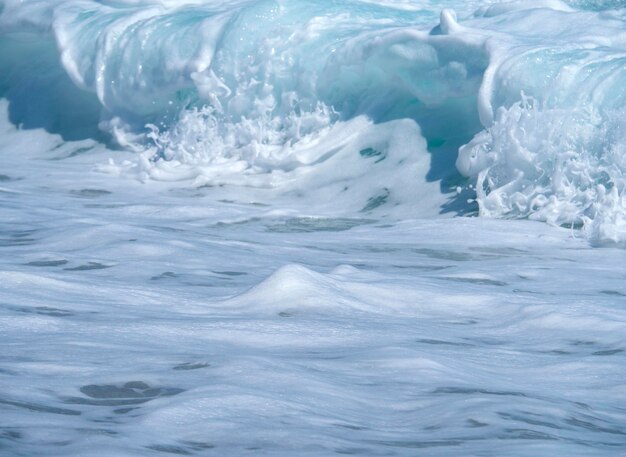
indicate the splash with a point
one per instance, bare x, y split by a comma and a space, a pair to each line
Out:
555, 165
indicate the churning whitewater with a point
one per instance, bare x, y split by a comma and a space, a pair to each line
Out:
270, 94
307, 228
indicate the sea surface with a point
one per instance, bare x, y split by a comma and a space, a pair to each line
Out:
312, 228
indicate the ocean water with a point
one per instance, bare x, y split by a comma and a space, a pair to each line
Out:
312, 228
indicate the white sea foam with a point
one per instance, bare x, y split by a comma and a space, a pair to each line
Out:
231, 98
223, 228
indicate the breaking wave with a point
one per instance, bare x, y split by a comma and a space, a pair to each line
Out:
368, 106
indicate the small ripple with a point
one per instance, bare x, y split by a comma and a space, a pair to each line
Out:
184, 448
89, 266
477, 281
585, 424
526, 434
473, 423
528, 420
169, 449
130, 393
441, 254
316, 224
191, 366
230, 273
10, 433
90, 193
608, 352
40, 408
356, 428
46, 263
473, 391
613, 293
44, 310
442, 343
17, 238
412, 444
164, 275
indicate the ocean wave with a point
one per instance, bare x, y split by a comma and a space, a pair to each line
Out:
530, 93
